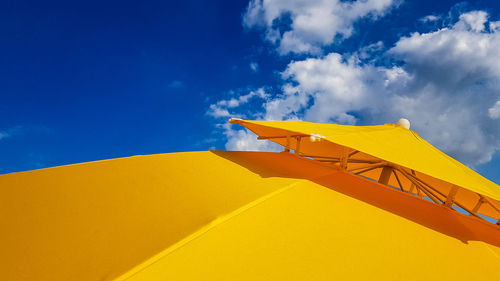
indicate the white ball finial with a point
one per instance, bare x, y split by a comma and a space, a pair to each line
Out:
403, 122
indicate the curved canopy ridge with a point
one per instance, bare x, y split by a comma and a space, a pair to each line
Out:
417, 166
95, 221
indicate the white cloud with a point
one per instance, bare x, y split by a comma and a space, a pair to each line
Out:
430, 18
495, 26
313, 23
217, 111
446, 84
454, 54
326, 90
254, 66
221, 108
455, 79
244, 140
494, 111
474, 21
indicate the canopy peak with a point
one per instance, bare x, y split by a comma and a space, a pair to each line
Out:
403, 122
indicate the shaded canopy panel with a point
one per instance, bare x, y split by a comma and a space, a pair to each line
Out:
229, 216
389, 143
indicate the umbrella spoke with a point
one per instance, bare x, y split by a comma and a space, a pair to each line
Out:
478, 204
353, 153
369, 169
287, 147
416, 179
297, 147
422, 188
417, 183
491, 204
451, 197
363, 161
365, 166
321, 157
426, 184
337, 159
397, 178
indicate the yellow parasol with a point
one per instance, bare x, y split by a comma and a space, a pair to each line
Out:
390, 154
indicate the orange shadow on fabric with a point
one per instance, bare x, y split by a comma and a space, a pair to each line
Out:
430, 215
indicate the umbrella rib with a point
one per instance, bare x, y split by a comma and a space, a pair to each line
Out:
491, 204
433, 193
472, 212
397, 178
287, 147
297, 145
427, 185
353, 153
420, 185
365, 166
369, 169
414, 186
478, 204
451, 196
417, 183
363, 161
429, 194
336, 160
424, 190
411, 188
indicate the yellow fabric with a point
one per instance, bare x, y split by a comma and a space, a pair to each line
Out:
229, 216
390, 143
94, 221
308, 232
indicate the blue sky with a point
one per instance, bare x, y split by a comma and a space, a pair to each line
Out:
83, 81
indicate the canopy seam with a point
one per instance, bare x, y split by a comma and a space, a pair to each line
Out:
193, 236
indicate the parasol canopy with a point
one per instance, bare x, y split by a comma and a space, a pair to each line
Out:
389, 154
230, 216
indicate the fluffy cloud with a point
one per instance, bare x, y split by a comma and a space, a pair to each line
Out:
304, 26
221, 108
474, 21
455, 80
494, 111
243, 140
327, 89
447, 82
460, 54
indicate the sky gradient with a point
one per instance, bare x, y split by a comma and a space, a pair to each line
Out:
84, 81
